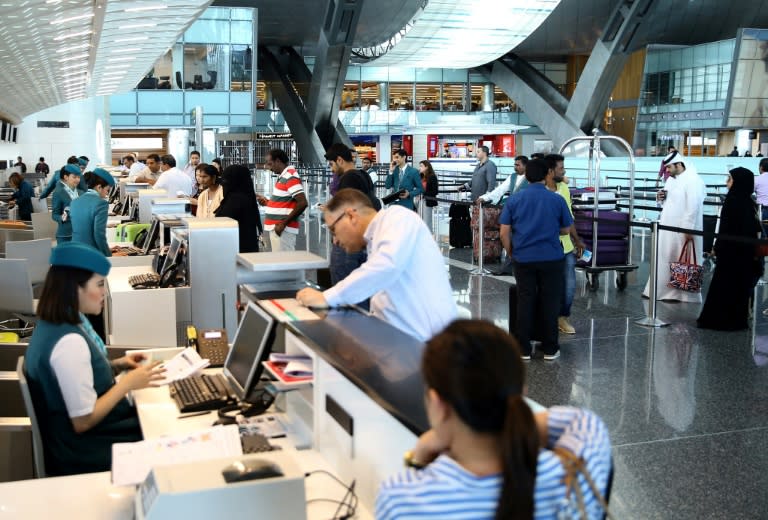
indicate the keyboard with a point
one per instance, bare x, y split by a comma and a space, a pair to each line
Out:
200, 393
255, 443
144, 281
127, 251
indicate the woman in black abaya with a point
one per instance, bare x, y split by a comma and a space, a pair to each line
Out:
737, 269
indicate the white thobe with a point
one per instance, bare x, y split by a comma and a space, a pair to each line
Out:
683, 208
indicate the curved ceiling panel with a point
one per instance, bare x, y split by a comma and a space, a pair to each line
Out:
55, 51
466, 33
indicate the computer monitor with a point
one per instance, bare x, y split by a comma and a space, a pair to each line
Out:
170, 258
251, 346
152, 236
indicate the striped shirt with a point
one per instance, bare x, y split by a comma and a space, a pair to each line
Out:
283, 200
444, 490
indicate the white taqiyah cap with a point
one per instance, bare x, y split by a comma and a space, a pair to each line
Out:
674, 157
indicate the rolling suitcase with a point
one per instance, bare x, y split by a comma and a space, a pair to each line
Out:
491, 241
127, 232
612, 224
610, 251
459, 229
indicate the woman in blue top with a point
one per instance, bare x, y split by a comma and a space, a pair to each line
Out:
487, 455
80, 408
89, 212
65, 192
22, 196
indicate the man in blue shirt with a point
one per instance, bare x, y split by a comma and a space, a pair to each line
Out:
537, 217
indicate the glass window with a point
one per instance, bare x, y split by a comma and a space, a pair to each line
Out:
401, 96
374, 74
459, 75
350, 96
429, 75
241, 32
212, 102
370, 96
402, 74
154, 102
353, 72
428, 96
240, 67
261, 95
208, 31
477, 97
220, 13
502, 102
240, 14
454, 96
206, 67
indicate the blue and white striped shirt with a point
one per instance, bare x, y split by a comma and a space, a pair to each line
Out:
445, 490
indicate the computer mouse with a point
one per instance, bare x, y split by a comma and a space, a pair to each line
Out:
251, 469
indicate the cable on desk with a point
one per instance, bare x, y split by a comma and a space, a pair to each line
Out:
349, 501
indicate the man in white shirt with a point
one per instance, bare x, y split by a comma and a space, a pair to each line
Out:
194, 160
132, 166
173, 180
405, 275
150, 173
494, 196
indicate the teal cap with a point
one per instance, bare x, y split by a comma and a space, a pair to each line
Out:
82, 256
82, 162
104, 174
72, 169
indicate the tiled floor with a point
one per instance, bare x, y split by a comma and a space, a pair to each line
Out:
687, 409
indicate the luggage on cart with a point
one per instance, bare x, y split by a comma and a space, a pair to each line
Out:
610, 251
710, 224
491, 237
612, 224
585, 198
459, 229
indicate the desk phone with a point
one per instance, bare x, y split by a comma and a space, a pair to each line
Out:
212, 345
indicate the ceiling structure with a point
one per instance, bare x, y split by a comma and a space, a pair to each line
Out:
55, 51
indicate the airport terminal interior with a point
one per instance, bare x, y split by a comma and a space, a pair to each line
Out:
612, 85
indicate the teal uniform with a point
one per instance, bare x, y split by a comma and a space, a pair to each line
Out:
405, 180
88, 214
68, 452
61, 199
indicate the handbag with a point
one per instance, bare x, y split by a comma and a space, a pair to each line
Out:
685, 275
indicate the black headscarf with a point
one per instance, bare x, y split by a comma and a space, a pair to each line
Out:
739, 214
239, 203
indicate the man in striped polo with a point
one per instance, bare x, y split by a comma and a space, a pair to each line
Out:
286, 204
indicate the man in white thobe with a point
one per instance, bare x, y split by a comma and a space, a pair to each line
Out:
682, 200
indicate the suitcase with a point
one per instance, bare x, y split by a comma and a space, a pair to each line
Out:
491, 241
459, 229
710, 224
585, 198
610, 251
612, 224
127, 232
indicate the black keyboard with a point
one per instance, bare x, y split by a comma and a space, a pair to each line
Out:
144, 281
200, 393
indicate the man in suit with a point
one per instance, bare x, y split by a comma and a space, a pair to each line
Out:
402, 176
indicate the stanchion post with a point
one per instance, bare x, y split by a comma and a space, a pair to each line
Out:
651, 320
480, 270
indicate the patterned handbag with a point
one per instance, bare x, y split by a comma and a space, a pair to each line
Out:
685, 275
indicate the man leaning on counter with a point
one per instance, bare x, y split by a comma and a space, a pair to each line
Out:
405, 274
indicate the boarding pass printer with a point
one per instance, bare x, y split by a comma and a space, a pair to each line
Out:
199, 490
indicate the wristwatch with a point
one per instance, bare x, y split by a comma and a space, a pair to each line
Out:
410, 462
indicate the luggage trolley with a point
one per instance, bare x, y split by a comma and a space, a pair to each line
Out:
595, 267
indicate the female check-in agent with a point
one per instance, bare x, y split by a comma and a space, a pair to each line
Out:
80, 408
89, 212
65, 192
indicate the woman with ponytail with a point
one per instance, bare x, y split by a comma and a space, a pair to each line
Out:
487, 455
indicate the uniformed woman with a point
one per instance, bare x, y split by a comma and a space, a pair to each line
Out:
89, 212
80, 407
65, 192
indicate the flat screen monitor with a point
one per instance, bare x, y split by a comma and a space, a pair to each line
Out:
170, 258
252, 345
152, 236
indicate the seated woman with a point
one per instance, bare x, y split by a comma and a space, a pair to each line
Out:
239, 203
211, 193
80, 408
487, 456
65, 192
21, 196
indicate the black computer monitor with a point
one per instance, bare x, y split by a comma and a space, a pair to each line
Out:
251, 346
152, 236
170, 258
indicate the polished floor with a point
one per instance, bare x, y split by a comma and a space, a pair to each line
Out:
687, 408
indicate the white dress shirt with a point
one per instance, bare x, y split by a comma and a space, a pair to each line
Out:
498, 192
405, 276
175, 181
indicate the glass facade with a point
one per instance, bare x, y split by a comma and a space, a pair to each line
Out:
683, 98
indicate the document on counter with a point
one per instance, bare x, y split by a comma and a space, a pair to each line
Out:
132, 461
288, 309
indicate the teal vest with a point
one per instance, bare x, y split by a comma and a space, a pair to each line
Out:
68, 452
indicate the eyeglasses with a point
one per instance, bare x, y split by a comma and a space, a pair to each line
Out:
332, 227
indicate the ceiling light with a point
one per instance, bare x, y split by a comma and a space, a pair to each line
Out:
76, 57
114, 73
73, 48
71, 19
138, 26
132, 39
127, 49
73, 74
146, 8
72, 35
122, 58
75, 66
